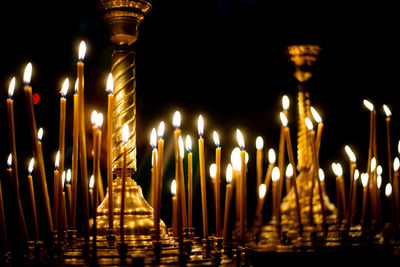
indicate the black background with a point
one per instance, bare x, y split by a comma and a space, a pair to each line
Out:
219, 58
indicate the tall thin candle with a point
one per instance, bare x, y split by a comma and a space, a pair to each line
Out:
61, 132
32, 199
69, 192
96, 170
110, 127
242, 188
174, 209
153, 143
160, 159
75, 151
228, 197
217, 183
202, 176
190, 180
259, 158
3, 229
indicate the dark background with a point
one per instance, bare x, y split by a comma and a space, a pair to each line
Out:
223, 59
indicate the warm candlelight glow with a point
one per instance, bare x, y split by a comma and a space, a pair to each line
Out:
396, 164
57, 161
63, 179
173, 187
82, 51
188, 143
275, 174
364, 179
153, 138
368, 105
125, 133
76, 86
40, 134
160, 130
285, 102
321, 175
11, 88
240, 139
387, 111
388, 189
315, 115
110, 84
398, 147
27, 74
235, 158
373, 164
200, 125
259, 143
176, 120
309, 124
68, 177
229, 174
9, 160
93, 117
337, 169
99, 120
262, 190
30, 167
91, 182
379, 181
379, 170
216, 139
213, 170
284, 119
356, 174
181, 147
289, 171
64, 88
271, 156
350, 153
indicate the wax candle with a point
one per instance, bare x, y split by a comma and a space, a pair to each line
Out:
354, 201
200, 124
156, 200
242, 220
275, 178
372, 188
125, 138
388, 193
35, 144
321, 176
61, 132
396, 167
213, 171
235, 160
340, 194
57, 193
353, 166
364, 181
181, 185
160, 159
63, 217
318, 119
228, 197
174, 209
91, 185
3, 229
188, 144
388, 114
82, 139
69, 192
259, 158
75, 151
96, 169
110, 127
262, 191
32, 199
217, 183
371, 108
289, 174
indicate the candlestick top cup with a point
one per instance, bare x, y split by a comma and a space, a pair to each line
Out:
123, 18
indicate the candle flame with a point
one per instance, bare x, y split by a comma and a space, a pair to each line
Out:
213, 171
259, 143
64, 88
289, 171
9, 160
82, 51
63, 179
27, 74
57, 161
176, 120
388, 190
387, 111
181, 147
316, 115
321, 175
396, 164
91, 182
68, 178
40, 134
240, 139
229, 173
275, 174
216, 139
110, 84
173, 188
368, 105
153, 138
76, 86
356, 174
125, 134
262, 190
160, 130
99, 120
285, 102
379, 181
284, 119
11, 88
398, 147
235, 159
309, 124
373, 164
379, 170
30, 167
350, 153
93, 117
337, 169
188, 143
271, 156
364, 179
200, 125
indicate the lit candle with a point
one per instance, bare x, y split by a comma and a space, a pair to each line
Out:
82, 138
156, 201
190, 180
91, 185
35, 143
271, 159
353, 166
354, 201
275, 178
321, 176
68, 188
228, 197
242, 186
61, 133
388, 193
110, 127
200, 125
388, 114
96, 146
213, 171
396, 167
235, 160
32, 198
160, 159
259, 158
289, 174
318, 119
3, 229
364, 181
217, 183
96, 169
63, 205
75, 151
181, 185
125, 138
291, 160
174, 209
372, 191
262, 191
340, 193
